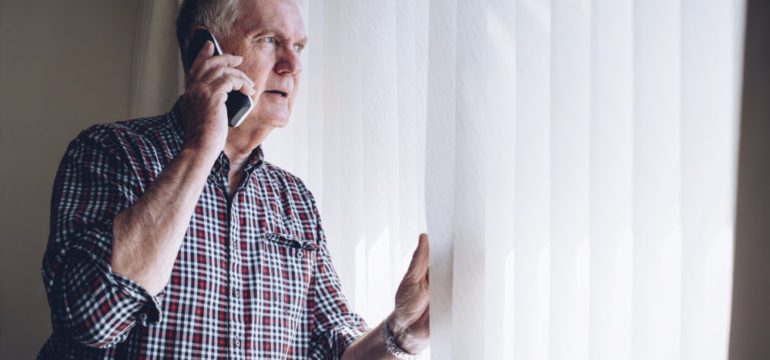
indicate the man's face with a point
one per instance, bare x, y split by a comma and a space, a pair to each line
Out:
269, 34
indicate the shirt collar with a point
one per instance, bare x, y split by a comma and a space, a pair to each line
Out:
222, 165
255, 159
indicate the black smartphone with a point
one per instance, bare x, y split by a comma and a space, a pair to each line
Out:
238, 104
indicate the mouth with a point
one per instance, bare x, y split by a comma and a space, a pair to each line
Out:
277, 92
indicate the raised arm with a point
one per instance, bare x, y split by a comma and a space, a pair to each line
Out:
409, 325
112, 246
148, 235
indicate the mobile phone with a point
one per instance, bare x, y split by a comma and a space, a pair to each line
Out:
238, 104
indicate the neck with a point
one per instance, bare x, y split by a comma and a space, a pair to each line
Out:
241, 142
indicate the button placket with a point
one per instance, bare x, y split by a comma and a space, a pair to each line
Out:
237, 329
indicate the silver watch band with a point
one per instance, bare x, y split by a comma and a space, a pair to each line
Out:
393, 348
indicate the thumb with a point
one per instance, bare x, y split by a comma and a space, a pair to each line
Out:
418, 267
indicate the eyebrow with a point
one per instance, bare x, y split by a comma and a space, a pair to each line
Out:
302, 41
257, 30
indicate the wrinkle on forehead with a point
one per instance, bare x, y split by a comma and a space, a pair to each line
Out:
280, 16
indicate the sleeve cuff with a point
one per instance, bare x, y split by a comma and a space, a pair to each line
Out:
342, 336
149, 313
149, 306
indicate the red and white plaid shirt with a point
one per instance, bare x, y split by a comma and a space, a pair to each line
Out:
252, 280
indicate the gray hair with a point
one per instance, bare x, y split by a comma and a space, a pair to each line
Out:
216, 15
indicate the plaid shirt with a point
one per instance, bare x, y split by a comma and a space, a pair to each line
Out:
253, 278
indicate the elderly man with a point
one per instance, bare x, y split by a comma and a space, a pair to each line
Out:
171, 237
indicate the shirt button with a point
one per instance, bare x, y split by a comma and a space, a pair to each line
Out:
236, 293
299, 254
237, 342
143, 317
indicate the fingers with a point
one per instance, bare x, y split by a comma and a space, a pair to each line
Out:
214, 63
217, 73
418, 267
205, 62
207, 51
228, 83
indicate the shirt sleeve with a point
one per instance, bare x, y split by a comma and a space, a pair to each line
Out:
335, 327
88, 301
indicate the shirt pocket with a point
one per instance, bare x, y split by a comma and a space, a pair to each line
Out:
286, 267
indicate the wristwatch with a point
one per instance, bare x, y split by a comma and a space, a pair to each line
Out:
393, 348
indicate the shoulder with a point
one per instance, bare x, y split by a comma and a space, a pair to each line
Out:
139, 148
145, 144
135, 134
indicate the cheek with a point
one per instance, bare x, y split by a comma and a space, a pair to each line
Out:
257, 71
296, 81
296, 88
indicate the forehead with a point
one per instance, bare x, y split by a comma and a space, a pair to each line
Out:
280, 16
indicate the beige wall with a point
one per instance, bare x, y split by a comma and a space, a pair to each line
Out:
64, 65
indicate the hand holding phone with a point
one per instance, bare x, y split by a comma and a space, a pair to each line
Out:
238, 105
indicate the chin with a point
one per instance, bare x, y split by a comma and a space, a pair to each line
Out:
274, 121
272, 116
277, 120
280, 124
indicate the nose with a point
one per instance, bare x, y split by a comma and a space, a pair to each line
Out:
288, 62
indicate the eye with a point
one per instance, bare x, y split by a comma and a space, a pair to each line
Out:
268, 39
299, 47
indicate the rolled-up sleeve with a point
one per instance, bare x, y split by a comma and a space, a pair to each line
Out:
88, 301
335, 326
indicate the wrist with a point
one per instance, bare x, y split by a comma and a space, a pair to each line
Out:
401, 335
199, 152
394, 347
